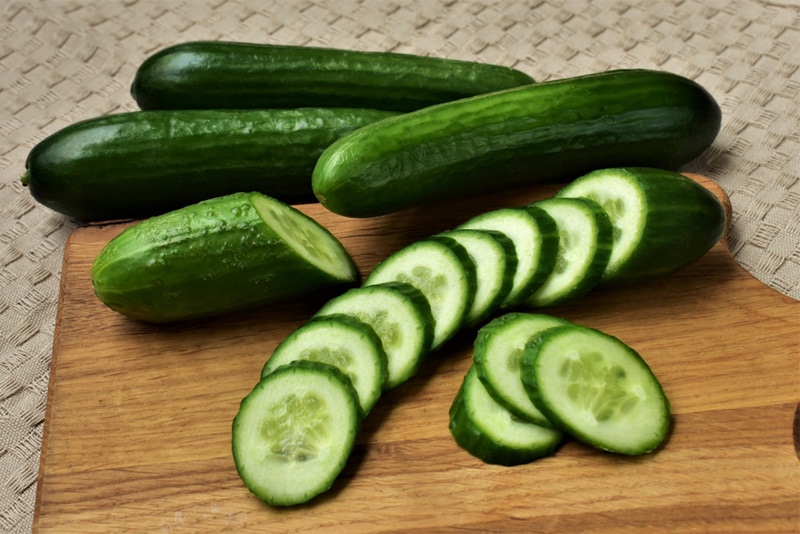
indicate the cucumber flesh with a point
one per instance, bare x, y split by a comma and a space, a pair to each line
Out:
343, 342
491, 433
535, 238
585, 237
313, 242
597, 389
495, 265
498, 350
662, 220
294, 432
401, 317
442, 270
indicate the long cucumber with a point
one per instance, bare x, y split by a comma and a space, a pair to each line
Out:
218, 74
138, 164
552, 131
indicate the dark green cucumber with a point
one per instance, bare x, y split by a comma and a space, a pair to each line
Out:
553, 131
225, 254
216, 74
133, 165
662, 220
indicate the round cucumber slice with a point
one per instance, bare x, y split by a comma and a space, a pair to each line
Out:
495, 265
491, 433
399, 313
498, 349
443, 271
343, 342
585, 237
534, 236
294, 432
596, 388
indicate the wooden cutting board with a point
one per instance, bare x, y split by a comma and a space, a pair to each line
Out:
137, 431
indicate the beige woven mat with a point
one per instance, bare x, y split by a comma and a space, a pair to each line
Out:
62, 61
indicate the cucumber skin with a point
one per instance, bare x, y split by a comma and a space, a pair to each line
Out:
684, 221
472, 439
138, 164
545, 132
204, 260
207, 75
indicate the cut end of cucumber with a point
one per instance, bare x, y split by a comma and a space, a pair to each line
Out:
307, 237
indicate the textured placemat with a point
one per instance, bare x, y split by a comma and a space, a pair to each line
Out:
62, 61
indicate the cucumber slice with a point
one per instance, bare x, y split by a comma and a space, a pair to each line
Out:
400, 315
491, 433
585, 236
534, 235
443, 271
499, 346
495, 265
344, 342
662, 220
596, 388
294, 432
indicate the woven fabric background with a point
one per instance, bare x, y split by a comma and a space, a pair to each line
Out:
62, 61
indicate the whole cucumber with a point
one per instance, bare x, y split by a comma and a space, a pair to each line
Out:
545, 132
221, 255
217, 74
137, 164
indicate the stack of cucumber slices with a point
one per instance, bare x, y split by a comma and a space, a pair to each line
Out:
534, 378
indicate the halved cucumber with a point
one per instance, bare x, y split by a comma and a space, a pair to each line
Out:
585, 236
443, 271
499, 346
401, 316
495, 265
344, 342
596, 388
491, 433
534, 235
221, 255
662, 220
294, 432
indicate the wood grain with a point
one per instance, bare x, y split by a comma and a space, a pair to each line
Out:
137, 432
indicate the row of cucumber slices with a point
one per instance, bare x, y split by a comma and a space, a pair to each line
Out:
294, 431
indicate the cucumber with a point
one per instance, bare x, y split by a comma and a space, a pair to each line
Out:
662, 220
134, 165
491, 433
225, 254
216, 74
401, 317
442, 270
534, 236
585, 236
343, 342
494, 258
552, 131
294, 432
594, 387
498, 349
